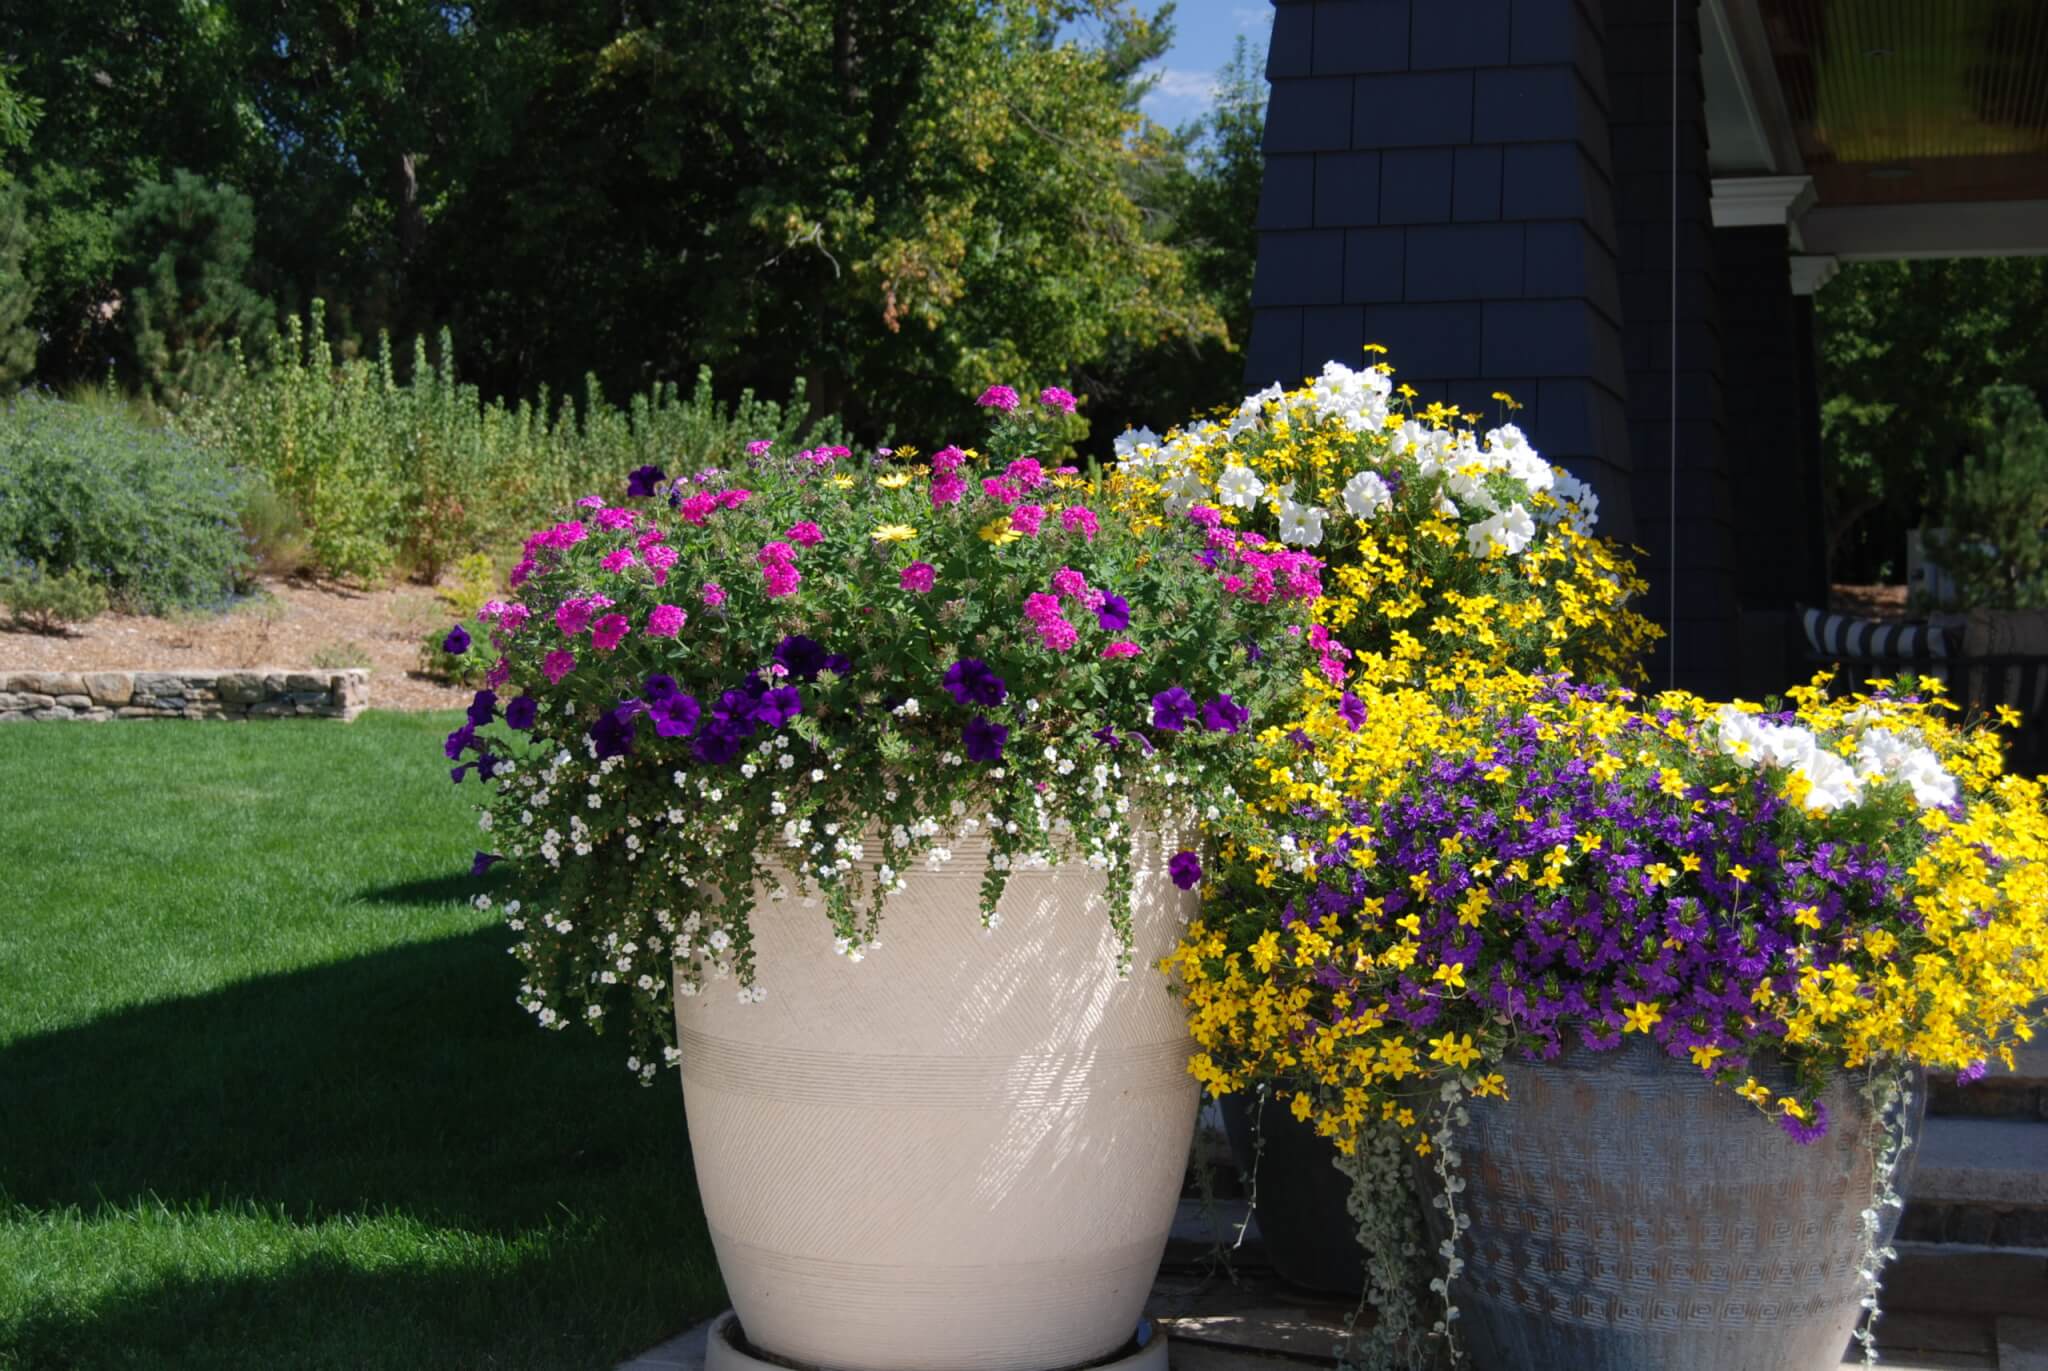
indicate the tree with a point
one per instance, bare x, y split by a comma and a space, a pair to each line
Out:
1905, 350
1995, 506
184, 292
17, 291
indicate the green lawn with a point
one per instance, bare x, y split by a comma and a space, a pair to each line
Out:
265, 1097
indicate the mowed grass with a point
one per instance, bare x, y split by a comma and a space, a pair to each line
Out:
265, 1097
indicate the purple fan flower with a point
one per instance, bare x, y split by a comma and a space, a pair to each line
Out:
483, 708
984, 739
1806, 1132
642, 480
520, 713
972, 683
1186, 870
1224, 715
1115, 614
1172, 708
457, 641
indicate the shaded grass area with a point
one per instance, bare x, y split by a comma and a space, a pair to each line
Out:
265, 1097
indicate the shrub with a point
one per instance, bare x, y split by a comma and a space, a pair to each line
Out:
476, 585
43, 603
392, 474
149, 516
1996, 542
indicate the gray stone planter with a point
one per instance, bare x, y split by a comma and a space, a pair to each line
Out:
1627, 1213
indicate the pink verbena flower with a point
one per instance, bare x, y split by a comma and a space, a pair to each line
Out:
660, 558
1058, 634
665, 621
573, 616
1204, 515
1040, 607
1004, 492
1080, 519
947, 460
556, 665
782, 577
1026, 472
608, 632
1027, 519
759, 447
1120, 649
947, 490
1052, 397
650, 537
1067, 582
616, 518
713, 593
618, 559
524, 569
733, 499
500, 672
777, 551
998, 397
697, 508
592, 502
805, 534
919, 577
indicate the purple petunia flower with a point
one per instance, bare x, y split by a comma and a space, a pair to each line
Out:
520, 713
1352, 711
483, 708
984, 739
803, 658
1172, 708
676, 715
613, 730
642, 480
972, 683
658, 688
1186, 870
1224, 715
1106, 735
482, 863
457, 641
452, 747
778, 707
1115, 613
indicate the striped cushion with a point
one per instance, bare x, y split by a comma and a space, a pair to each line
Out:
1874, 640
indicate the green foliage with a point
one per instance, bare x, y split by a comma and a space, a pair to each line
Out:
184, 292
406, 472
43, 603
1995, 542
1905, 350
17, 291
146, 514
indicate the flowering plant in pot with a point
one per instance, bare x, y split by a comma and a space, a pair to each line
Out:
867, 790
1453, 549
1571, 943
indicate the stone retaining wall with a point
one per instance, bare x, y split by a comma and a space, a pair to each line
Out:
257, 693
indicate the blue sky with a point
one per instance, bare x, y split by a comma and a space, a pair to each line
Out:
1204, 31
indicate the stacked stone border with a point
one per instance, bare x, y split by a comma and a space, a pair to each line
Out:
254, 693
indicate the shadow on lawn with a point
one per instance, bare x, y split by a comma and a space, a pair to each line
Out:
406, 1080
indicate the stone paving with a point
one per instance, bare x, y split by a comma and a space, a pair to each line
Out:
1952, 1308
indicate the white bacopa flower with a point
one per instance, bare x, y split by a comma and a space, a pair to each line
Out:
1239, 487
907, 710
1366, 495
1300, 525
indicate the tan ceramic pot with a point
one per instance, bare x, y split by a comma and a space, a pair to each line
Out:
962, 1152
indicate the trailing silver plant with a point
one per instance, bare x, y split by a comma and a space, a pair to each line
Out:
1450, 1116
1390, 1237
1888, 1101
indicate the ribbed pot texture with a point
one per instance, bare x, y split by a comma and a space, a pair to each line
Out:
962, 1152
1628, 1213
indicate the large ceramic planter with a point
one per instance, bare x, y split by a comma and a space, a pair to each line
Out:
962, 1152
1627, 1213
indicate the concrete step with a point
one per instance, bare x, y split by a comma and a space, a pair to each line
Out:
1980, 1180
2018, 1094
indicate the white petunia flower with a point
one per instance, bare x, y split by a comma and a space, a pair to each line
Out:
1831, 782
1366, 495
1239, 487
1510, 531
1301, 525
1182, 491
